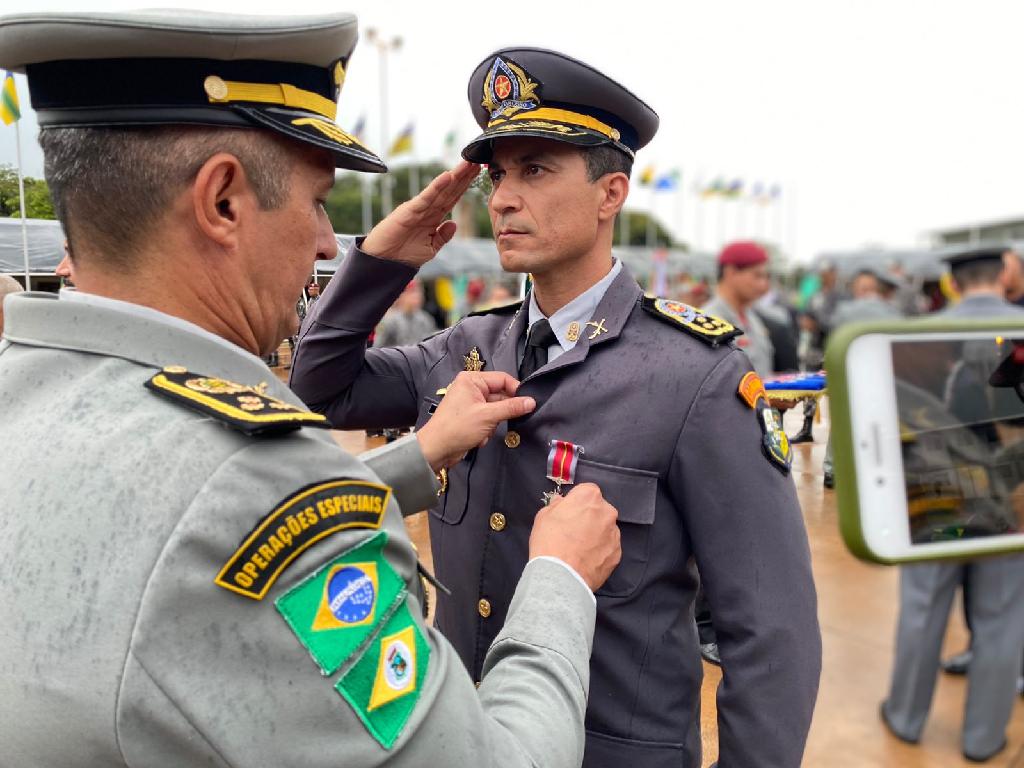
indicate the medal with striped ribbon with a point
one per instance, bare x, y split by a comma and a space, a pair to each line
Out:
562, 460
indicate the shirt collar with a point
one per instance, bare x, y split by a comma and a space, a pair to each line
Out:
155, 315
579, 310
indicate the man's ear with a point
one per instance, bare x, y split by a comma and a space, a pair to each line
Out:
220, 194
615, 188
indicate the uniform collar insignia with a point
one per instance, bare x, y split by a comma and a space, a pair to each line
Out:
509, 90
473, 360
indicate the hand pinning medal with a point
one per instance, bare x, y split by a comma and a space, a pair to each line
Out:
562, 460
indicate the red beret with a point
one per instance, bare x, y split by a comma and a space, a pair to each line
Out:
744, 253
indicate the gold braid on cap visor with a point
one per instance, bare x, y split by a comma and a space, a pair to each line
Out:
225, 91
562, 116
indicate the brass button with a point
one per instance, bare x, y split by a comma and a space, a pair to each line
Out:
512, 439
215, 88
497, 522
477, 683
484, 607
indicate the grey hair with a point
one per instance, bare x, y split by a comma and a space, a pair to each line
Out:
112, 186
604, 159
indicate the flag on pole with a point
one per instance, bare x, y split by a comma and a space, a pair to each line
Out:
716, 187
359, 129
10, 110
668, 182
449, 141
403, 143
734, 190
647, 176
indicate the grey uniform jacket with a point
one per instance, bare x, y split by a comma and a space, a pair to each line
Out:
678, 454
120, 508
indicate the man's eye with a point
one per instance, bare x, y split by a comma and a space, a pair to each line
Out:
496, 176
533, 170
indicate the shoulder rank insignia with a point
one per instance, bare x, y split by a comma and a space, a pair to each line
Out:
709, 329
297, 523
242, 407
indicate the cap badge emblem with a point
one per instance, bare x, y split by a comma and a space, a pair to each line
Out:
508, 90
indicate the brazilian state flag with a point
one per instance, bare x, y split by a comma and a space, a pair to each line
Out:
10, 110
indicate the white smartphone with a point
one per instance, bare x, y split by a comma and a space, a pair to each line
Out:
936, 423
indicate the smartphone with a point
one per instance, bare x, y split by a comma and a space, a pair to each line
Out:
928, 438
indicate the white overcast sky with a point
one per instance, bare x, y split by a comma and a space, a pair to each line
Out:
880, 119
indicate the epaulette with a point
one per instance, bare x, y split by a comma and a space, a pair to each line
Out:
708, 328
241, 407
501, 309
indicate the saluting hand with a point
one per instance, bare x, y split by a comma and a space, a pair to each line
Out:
416, 230
472, 408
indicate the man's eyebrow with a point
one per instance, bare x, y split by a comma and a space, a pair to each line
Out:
537, 156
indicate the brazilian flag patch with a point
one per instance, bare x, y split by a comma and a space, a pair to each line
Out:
384, 685
336, 609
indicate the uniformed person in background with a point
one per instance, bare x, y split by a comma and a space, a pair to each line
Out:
993, 587
642, 396
192, 573
742, 280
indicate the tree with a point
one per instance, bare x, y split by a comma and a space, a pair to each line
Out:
38, 204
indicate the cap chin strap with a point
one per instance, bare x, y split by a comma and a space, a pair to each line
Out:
226, 91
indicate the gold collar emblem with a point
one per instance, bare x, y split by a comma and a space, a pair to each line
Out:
573, 334
473, 360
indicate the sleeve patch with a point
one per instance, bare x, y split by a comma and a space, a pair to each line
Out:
385, 684
708, 328
241, 407
751, 389
297, 523
774, 441
336, 609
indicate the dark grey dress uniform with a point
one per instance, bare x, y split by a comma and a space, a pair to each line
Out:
192, 573
995, 601
671, 446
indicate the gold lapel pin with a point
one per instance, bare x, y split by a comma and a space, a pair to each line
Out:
573, 334
598, 328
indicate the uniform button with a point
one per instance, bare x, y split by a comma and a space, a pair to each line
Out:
497, 522
484, 607
512, 439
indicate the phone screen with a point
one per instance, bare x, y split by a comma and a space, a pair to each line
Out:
960, 406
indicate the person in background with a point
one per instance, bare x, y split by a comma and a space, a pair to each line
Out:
1013, 276
868, 289
742, 280
406, 322
8, 285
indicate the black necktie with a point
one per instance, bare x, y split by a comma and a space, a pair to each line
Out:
538, 339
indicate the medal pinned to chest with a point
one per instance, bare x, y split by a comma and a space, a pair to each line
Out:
562, 460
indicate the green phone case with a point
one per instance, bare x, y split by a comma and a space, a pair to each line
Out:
847, 500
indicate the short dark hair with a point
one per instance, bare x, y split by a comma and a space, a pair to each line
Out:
111, 185
604, 159
977, 273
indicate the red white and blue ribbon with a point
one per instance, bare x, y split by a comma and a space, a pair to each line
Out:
562, 460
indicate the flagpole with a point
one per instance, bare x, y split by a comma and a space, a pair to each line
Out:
367, 203
21, 199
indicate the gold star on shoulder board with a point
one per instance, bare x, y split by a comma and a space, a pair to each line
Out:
473, 360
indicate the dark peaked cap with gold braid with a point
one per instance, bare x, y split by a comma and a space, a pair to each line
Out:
282, 73
546, 94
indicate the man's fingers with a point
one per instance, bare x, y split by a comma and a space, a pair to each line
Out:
432, 195
444, 233
498, 382
510, 408
463, 176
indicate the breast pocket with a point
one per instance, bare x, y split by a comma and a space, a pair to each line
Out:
634, 493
